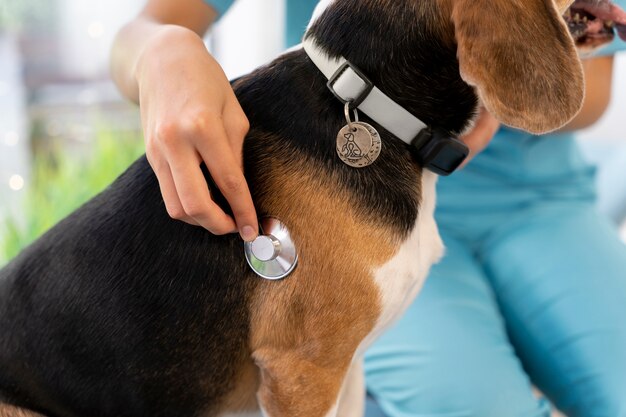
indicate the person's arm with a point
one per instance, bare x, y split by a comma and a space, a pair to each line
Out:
598, 84
598, 80
189, 113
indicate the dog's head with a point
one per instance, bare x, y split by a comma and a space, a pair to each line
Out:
521, 58
518, 55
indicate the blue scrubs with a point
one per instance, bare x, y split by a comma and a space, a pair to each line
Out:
532, 290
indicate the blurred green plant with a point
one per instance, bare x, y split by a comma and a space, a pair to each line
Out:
17, 14
60, 185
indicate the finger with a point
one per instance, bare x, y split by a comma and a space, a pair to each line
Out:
194, 195
168, 191
237, 126
228, 176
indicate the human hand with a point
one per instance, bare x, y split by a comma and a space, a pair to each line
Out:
478, 138
190, 115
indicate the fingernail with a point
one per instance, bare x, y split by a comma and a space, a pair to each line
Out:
248, 233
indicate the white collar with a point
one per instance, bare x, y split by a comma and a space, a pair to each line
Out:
349, 84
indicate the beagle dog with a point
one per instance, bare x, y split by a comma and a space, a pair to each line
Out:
121, 311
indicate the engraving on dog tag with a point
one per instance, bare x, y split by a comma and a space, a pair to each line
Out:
358, 144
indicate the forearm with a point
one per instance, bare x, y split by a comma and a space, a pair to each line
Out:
598, 81
153, 28
189, 113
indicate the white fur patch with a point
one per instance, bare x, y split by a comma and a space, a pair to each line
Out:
352, 397
332, 412
401, 278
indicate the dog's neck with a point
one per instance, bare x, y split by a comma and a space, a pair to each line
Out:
405, 55
292, 112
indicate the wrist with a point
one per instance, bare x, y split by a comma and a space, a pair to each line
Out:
167, 41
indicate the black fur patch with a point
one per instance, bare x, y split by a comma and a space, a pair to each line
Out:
404, 54
121, 311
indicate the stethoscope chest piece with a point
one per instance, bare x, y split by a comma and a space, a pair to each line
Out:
273, 254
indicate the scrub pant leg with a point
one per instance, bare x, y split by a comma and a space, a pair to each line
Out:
560, 280
450, 355
610, 159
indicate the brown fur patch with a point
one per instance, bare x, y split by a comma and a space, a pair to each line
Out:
243, 397
522, 60
306, 328
7, 410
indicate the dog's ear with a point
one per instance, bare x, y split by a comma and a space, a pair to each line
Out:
521, 59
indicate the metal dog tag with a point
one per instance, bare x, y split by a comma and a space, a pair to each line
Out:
358, 144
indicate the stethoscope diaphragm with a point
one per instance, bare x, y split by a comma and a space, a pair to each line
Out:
273, 254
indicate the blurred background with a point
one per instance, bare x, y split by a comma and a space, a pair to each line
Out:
65, 132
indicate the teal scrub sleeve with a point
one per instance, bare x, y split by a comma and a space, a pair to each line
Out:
299, 13
220, 6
